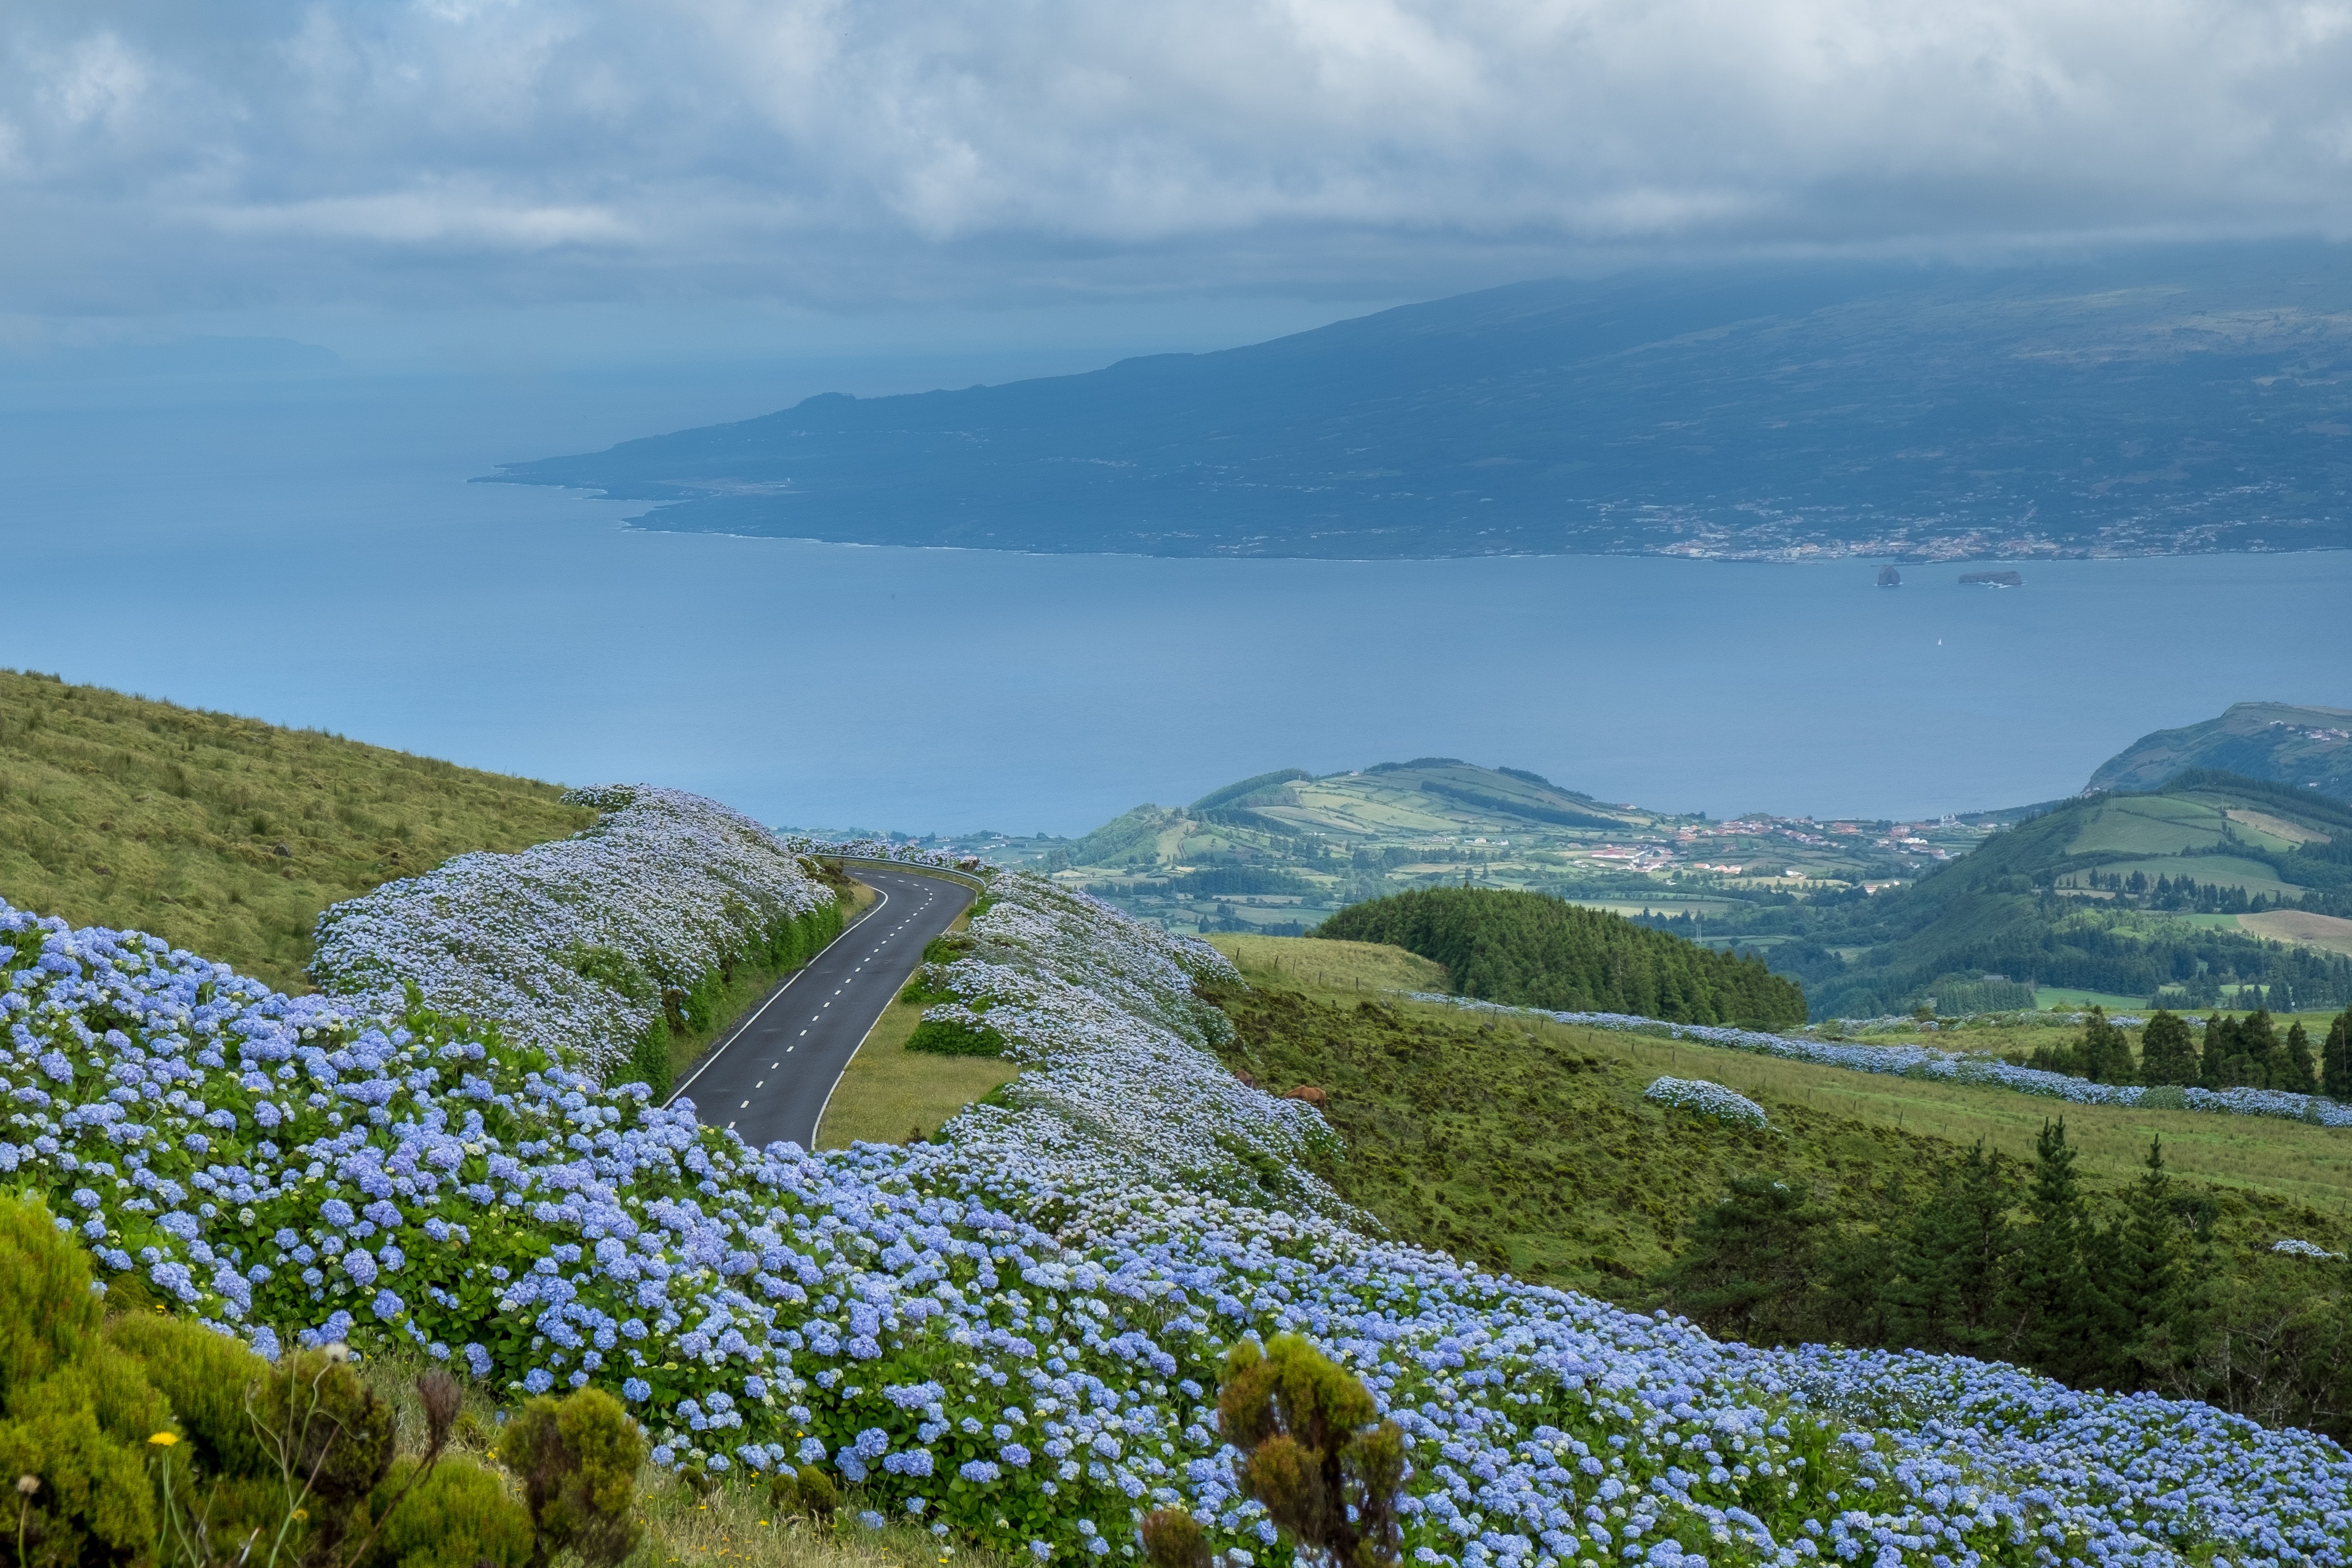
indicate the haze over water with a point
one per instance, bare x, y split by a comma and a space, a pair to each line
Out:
309, 551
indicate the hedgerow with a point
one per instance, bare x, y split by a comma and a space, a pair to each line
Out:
594, 946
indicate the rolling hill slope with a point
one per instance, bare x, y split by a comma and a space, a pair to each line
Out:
2308, 748
2138, 894
2184, 399
225, 835
1282, 850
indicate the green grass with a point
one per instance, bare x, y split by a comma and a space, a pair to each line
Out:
1356, 967
225, 835
2161, 825
2059, 997
1527, 1145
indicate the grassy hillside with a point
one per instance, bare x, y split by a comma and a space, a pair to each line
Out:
1278, 852
2303, 748
1529, 1147
2133, 894
1526, 950
222, 834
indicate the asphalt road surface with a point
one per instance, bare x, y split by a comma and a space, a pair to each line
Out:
770, 1079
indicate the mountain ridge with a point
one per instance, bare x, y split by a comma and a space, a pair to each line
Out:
2182, 401
2275, 743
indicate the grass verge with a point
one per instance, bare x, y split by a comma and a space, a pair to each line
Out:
889, 1094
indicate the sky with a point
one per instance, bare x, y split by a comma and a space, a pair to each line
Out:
513, 228
548, 178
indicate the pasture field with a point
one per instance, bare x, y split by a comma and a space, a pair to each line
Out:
889, 1094
1350, 968
2324, 931
225, 835
2222, 871
2295, 1172
2155, 825
2048, 996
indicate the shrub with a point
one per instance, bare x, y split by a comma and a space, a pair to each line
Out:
578, 1458
1702, 1098
458, 1516
75, 1414
1172, 1538
207, 1379
808, 1490
955, 1037
1313, 1450
327, 1435
648, 1062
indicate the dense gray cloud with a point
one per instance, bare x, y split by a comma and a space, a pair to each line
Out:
176, 156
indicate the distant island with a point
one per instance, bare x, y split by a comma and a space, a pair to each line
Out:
1993, 579
2183, 401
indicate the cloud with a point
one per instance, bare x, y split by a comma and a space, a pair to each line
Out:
158, 156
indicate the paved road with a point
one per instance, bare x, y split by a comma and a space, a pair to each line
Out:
770, 1079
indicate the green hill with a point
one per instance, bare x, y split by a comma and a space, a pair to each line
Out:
2308, 748
1280, 850
1526, 950
2171, 894
225, 835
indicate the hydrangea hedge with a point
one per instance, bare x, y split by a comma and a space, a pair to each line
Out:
585, 946
1012, 1332
1950, 1066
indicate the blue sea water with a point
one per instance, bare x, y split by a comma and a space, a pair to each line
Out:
307, 549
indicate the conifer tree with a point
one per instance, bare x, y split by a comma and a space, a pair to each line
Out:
2220, 1058
2140, 1279
2048, 1307
2103, 1053
1753, 1258
2336, 1063
2167, 1052
1942, 1290
2296, 1071
2258, 1042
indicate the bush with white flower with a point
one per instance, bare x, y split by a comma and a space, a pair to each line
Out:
1014, 1333
1702, 1098
583, 945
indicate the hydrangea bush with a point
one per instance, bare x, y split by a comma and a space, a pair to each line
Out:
581, 944
1012, 1332
1948, 1066
1702, 1098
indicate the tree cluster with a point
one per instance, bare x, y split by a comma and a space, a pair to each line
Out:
1526, 949
2229, 1053
2012, 1263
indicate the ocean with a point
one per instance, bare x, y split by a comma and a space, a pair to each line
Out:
306, 548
